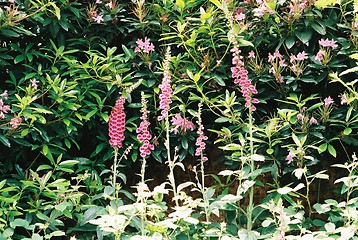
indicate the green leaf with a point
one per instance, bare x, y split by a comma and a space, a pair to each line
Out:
325, 3
180, 4
347, 131
332, 151
217, 3
184, 143
19, 223
9, 33
319, 28
290, 42
323, 147
304, 36
269, 151
5, 141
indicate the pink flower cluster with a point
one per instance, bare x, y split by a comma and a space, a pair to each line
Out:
3, 108
181, 123
14, 122
297, 63
328, 101
146, 46
144, 135
328, 43
117, 123
240, 75
323, 55
166, 89
263, 8
200, 140
278, 64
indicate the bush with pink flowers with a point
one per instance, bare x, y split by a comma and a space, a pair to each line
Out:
162, 119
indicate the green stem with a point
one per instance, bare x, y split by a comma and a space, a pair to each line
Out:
170, 162
250, 207
115, 170
206, 202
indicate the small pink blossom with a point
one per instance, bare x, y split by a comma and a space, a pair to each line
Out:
319, 56
300, 116
291, 155
344, 99
184, 124
328, 101
98, 1
251, 54
98, 18
328, 43
109, 5
4, 94
313, 121
302, 56
3, 109
11, 1
14, 122
146, 46
240, 16
34, 83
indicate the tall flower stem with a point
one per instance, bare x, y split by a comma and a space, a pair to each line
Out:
142, 214
250, 207
170, 162
203, 190
114, 177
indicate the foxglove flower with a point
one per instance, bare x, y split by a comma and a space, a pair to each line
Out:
116, 123
240, 75
201, 138
143, 133
166, 89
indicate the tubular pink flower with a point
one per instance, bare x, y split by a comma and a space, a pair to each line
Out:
143, 133
166, 89
116, 124
319, 56
201, 138
240, 75
290, 156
